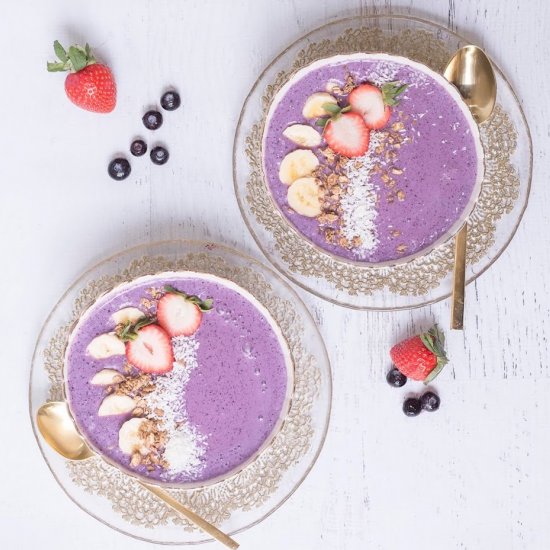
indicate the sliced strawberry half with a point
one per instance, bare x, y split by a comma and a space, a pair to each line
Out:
348, 135
178, 316
151, 350
367, 100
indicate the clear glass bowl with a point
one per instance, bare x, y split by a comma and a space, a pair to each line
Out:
240, 501
426, 278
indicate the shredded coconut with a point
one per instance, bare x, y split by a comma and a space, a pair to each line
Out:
359, 201
185, 445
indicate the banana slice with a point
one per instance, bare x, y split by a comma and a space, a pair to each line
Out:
304, 197
116, 404
303, 135
106, 345
131, 314
106, 377
297, 164
313, 107
129, 440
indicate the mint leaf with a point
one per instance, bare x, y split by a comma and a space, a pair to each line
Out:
60, 51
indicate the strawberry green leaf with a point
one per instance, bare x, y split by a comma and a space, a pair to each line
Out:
391, 92
346, 109
203, 305
322, 122
56, 67
434, 340
129, 331
60, 51
331, 108
78, 58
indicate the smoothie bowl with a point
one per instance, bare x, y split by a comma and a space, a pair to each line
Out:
372, 158
180, 378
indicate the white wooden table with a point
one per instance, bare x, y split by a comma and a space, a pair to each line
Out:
475, 475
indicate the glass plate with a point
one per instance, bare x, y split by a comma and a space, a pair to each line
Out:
241, 500
426, 278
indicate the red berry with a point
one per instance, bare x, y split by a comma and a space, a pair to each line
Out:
92, 88
347, 135
151, 351
90, 85
421, 357
178, 316
367, 100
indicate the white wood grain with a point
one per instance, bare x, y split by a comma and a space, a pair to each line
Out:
473, 476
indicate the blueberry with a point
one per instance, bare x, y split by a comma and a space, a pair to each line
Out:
170, 100
138, 148
396, 378
152, 120
119, 169
412, 406
430, 401
159, 155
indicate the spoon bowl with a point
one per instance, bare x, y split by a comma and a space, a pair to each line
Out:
57, 428
470, 70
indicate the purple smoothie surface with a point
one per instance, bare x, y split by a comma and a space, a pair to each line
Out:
439, 159
234, 397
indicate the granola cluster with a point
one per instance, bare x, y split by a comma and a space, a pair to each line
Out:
151, 433
154, 441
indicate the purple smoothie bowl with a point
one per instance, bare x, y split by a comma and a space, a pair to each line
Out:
443, 166
238, 395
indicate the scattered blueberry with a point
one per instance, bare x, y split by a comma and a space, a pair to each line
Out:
170, 100
159, 155
152, 120
430, 401
396, 378
412, 406
119, 169
138, 148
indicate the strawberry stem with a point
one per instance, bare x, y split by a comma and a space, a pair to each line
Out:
129, 331
204, 305
74, 60
335, 112
434, 340
391, 92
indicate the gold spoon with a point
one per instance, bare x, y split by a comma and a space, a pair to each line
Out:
472, 73
57, 427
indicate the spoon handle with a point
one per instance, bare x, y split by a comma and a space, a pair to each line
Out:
459, 279
191, 516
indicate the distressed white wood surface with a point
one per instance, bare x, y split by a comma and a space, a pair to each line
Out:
473, 476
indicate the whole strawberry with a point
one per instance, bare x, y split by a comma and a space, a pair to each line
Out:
89, 85
421, 357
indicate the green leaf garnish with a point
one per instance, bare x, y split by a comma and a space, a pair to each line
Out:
391, 92
78, 59
204, 305
73, 60
56, 67
60, 51
335, 112
332, 108
129, 331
